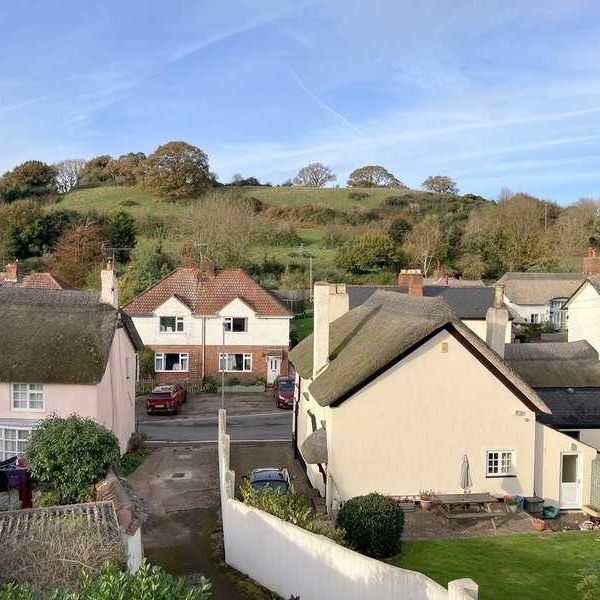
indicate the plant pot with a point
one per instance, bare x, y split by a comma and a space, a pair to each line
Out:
538, 524
426, 504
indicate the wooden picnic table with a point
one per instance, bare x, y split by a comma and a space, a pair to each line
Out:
448, 502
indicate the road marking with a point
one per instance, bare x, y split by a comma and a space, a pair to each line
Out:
162, 442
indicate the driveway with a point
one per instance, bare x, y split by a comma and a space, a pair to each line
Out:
250, 417
182, 532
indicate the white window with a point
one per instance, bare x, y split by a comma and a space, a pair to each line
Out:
534, 318
13, 441
235, 362
500, 463
171, 361
235, 324
27, 396
171, 324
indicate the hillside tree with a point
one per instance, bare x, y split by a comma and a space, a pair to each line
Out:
31, 179
425, 244
368, 252
399, 229
67, 174
314, 175
373, 176
98, 171
120, 233
176, 170
440, 184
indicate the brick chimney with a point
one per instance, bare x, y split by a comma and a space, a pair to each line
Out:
109, 293
591, 263
413, 279
12, 272
496, 320
330, 302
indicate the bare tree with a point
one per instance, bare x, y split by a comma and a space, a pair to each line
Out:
314, 175
67, 172
219, 227
440, 184
425, 243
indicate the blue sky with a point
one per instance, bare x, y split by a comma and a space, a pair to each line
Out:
493, 93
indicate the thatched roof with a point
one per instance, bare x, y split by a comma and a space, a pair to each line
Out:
539, 288
367, 340
57, 336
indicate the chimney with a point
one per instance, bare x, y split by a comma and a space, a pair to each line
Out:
110, 285
496, 321
413, 279
591, 263
339, 302
12, 272
321, 327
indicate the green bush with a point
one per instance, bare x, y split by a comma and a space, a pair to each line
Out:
146, 363
210, 385
372, 524
132, 460
45, 498
396, 201
149, 582
71, 454
370, 251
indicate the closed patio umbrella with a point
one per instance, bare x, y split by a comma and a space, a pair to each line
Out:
465, 474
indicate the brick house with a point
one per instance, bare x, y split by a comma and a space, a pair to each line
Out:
202, 322
13, 276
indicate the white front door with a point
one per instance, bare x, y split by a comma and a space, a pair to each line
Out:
273, 368
570, 480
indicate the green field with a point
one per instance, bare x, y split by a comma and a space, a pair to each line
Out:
528, 567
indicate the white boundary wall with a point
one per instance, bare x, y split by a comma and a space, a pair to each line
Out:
290, 561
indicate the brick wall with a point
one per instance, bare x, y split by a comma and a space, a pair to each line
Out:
259, 362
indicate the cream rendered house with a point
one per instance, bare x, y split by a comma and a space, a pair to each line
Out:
583, 313
392, 394
65, 352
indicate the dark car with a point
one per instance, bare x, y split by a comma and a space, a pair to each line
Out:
166, 399
283, 392
272, 478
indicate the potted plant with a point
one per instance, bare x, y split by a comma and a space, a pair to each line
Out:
538, 524
511, 504
426, 499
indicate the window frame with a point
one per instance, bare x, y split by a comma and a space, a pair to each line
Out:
246, 362
4, 454
179, 324
184, 357
229, 321
500, 472
29, 391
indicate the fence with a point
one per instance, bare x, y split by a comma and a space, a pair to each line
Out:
145, 386
291, 561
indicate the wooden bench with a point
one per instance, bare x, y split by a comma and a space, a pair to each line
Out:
492, 516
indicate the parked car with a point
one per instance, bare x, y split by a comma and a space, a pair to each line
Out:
166, 398
283, 392
273, 478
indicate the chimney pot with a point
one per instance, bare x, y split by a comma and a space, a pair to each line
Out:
13, 272
591, 263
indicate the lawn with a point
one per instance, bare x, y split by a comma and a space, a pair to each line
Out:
535, 567
304, 325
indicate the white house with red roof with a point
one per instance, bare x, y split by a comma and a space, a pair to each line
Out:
202, 322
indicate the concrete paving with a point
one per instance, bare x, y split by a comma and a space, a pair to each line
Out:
250, 417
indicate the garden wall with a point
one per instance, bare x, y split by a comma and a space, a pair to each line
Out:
290, 561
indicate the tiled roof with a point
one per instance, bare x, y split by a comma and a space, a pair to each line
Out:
45, 281
539, 288
571, 407
129, 508
206, 295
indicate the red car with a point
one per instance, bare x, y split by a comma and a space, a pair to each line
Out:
283, 392
166, 398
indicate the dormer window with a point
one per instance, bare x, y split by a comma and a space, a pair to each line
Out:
235, 324
171, 324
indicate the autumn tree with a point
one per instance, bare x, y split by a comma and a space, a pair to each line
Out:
220, 227
314, 175
31, 179
128, 168
97, 171
176, 170
440, 184
78, 251
370, 251
373, 176
67, 173
425, 244
471, 266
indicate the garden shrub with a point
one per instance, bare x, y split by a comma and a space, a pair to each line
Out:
71, 454
372, 524
44, 498
132, 460
111, 583
210, 385
146, 363
280, 234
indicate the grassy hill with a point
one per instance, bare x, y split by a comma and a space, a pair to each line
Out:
313, 214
